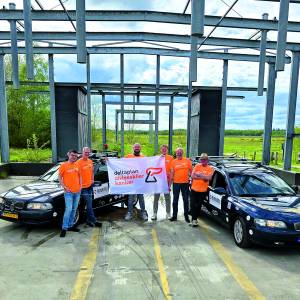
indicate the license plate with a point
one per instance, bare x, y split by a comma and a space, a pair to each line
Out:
10, 215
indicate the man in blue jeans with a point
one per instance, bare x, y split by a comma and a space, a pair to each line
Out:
70, 180
87, 174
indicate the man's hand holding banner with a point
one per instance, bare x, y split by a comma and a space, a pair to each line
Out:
144, 175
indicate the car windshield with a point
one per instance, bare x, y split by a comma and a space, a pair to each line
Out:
51, 175
260, 184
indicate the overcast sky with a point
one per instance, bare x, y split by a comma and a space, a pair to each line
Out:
241, 114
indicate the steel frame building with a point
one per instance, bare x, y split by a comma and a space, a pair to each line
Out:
61, 43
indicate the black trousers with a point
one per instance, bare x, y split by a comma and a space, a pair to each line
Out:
196, 201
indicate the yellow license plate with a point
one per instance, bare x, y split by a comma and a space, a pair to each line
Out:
10, 215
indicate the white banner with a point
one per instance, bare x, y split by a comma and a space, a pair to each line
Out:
144, 175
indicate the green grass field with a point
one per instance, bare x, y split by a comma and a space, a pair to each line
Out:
244, 146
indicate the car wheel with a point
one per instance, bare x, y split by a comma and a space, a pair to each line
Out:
240, 233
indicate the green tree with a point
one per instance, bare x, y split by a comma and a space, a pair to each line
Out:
28, 111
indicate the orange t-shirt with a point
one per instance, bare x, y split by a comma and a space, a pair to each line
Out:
168, 160
131, 155
70, 174
200, 185
181, 169
87, 172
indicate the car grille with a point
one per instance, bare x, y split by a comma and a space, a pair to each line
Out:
297, 226
12, 205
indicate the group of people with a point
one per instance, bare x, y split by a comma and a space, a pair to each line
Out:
77, 178
191, 182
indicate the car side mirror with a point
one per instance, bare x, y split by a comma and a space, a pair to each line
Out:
220, 190
295, 188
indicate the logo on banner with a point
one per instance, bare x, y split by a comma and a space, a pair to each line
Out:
150, 174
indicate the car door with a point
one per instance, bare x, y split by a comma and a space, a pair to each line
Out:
218, 196
101, 194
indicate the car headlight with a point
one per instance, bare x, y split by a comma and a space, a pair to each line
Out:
37, 205
270, 223
1, 200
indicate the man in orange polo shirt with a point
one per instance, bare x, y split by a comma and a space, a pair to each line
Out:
144, 215
70, 180
87, 174
180, 171
201, 175
168, 160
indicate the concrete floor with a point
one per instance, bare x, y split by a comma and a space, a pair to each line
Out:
136, 260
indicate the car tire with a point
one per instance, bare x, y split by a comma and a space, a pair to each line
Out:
240, 233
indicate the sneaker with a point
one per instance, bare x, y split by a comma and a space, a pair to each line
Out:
194, 223
98, 224
154, 217
90, 224
173, 219
75, 229
187, 219
168, 216
144, 215
63, 233
128, 216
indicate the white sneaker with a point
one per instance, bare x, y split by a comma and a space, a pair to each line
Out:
128, 216
154, 217
144, 215
194, 223
168, 216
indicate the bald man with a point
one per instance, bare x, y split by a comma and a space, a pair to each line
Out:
87, 174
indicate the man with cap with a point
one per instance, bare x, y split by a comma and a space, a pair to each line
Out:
180, 171
201, 175
144, 215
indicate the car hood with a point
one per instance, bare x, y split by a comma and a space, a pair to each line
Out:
281, 205
37, 190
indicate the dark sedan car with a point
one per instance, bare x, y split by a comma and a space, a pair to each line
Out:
256, 204
42, 201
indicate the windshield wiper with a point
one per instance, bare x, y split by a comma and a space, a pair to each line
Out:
250, 195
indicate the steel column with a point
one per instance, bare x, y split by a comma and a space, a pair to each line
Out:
290, 124
170, 141
52, 106
269, 115
223, 106
282, 33
193, 59
28, 38
197, 17
3, 114
89, 110
122, 101
14, 50
117, 125
188, 133
103, 120
151, 128
262, 59
157, 103
80, 31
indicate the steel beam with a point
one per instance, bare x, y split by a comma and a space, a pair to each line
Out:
282, 33
170, 141
139, 121
269, 115
157, 104
89, 108
80, 31
14, 50
146, 51
137, 103
290, 124
52, 107
262, 59
223, 107
197, 17
3, 115
122, 101
103, 120
28, 38
148, 16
